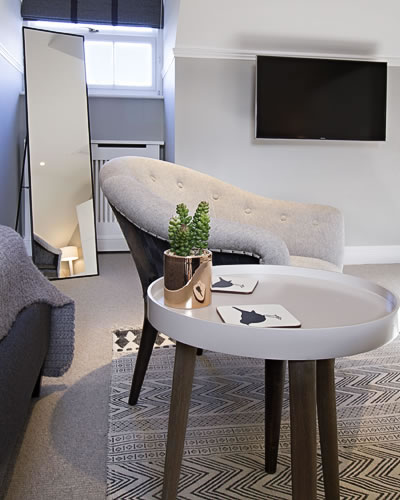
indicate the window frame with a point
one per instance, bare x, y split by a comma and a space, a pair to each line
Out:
116, 34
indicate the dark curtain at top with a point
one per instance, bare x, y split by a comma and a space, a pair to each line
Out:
143, 13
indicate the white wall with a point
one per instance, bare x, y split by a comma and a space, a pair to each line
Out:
169, 112
11, 30
214, 115
364, 27
171, 16
215, 49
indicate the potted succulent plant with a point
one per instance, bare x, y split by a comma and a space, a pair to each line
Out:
187, 264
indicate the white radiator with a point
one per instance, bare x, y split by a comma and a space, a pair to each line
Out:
109, 234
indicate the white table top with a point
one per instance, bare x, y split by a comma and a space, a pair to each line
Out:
341, 315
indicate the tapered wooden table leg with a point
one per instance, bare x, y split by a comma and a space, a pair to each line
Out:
185, 358
274, 382
326, 404
302, 386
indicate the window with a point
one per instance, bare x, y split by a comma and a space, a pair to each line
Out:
120, 61
127, 64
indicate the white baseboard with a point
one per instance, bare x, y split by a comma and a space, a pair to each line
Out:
107, 244
388, 254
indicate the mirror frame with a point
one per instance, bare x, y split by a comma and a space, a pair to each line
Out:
31, 195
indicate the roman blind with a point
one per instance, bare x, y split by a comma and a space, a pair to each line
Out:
139, 13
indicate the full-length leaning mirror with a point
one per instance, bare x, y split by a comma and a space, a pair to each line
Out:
63, 226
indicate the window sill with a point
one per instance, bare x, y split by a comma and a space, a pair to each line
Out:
123, 95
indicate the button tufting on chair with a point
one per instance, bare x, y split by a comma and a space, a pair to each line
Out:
215, 197
180, 185
283, 218
247, 211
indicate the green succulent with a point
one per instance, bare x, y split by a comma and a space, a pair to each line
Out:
189, 235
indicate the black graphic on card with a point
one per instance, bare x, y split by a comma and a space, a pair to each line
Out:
249, 317
223, 283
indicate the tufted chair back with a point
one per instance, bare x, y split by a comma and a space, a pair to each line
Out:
309, 231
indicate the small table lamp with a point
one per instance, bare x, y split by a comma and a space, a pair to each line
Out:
69, 253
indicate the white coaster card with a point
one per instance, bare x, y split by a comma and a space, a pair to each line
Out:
259, 315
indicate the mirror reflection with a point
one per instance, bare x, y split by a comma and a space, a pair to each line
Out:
63, 226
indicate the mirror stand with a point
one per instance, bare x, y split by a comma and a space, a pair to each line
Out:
63, 234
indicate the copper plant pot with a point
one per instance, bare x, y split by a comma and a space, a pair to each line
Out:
187, 280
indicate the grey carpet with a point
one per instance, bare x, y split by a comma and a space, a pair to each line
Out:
63, 451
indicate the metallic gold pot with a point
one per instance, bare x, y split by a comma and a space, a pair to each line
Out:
187, 280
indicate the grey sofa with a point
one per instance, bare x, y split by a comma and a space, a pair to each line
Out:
36, 337
22, 355
245, 228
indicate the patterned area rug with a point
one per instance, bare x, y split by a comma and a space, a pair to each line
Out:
127, 340
224, 449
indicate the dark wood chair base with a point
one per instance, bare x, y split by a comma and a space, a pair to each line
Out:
147, 252
149, 335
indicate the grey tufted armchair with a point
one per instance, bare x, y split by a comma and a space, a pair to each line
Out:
245, 228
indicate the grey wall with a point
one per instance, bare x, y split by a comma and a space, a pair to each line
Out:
10, 87
169, 113
171, 14
10, 142
127, 119
214, 133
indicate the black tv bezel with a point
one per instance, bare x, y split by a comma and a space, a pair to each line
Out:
319, 139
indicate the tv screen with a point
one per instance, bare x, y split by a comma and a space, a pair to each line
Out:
304, 98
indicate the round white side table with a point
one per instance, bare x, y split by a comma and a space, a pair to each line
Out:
340, 315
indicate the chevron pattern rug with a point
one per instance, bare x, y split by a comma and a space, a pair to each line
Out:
224, 449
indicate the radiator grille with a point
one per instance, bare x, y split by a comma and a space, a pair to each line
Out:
104, 214
109, 234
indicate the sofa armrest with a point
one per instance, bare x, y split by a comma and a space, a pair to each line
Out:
234, 236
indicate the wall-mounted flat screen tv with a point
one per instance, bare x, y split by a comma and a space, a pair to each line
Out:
306, 98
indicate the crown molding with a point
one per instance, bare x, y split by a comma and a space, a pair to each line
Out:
213, 53
11, 59
247, 55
